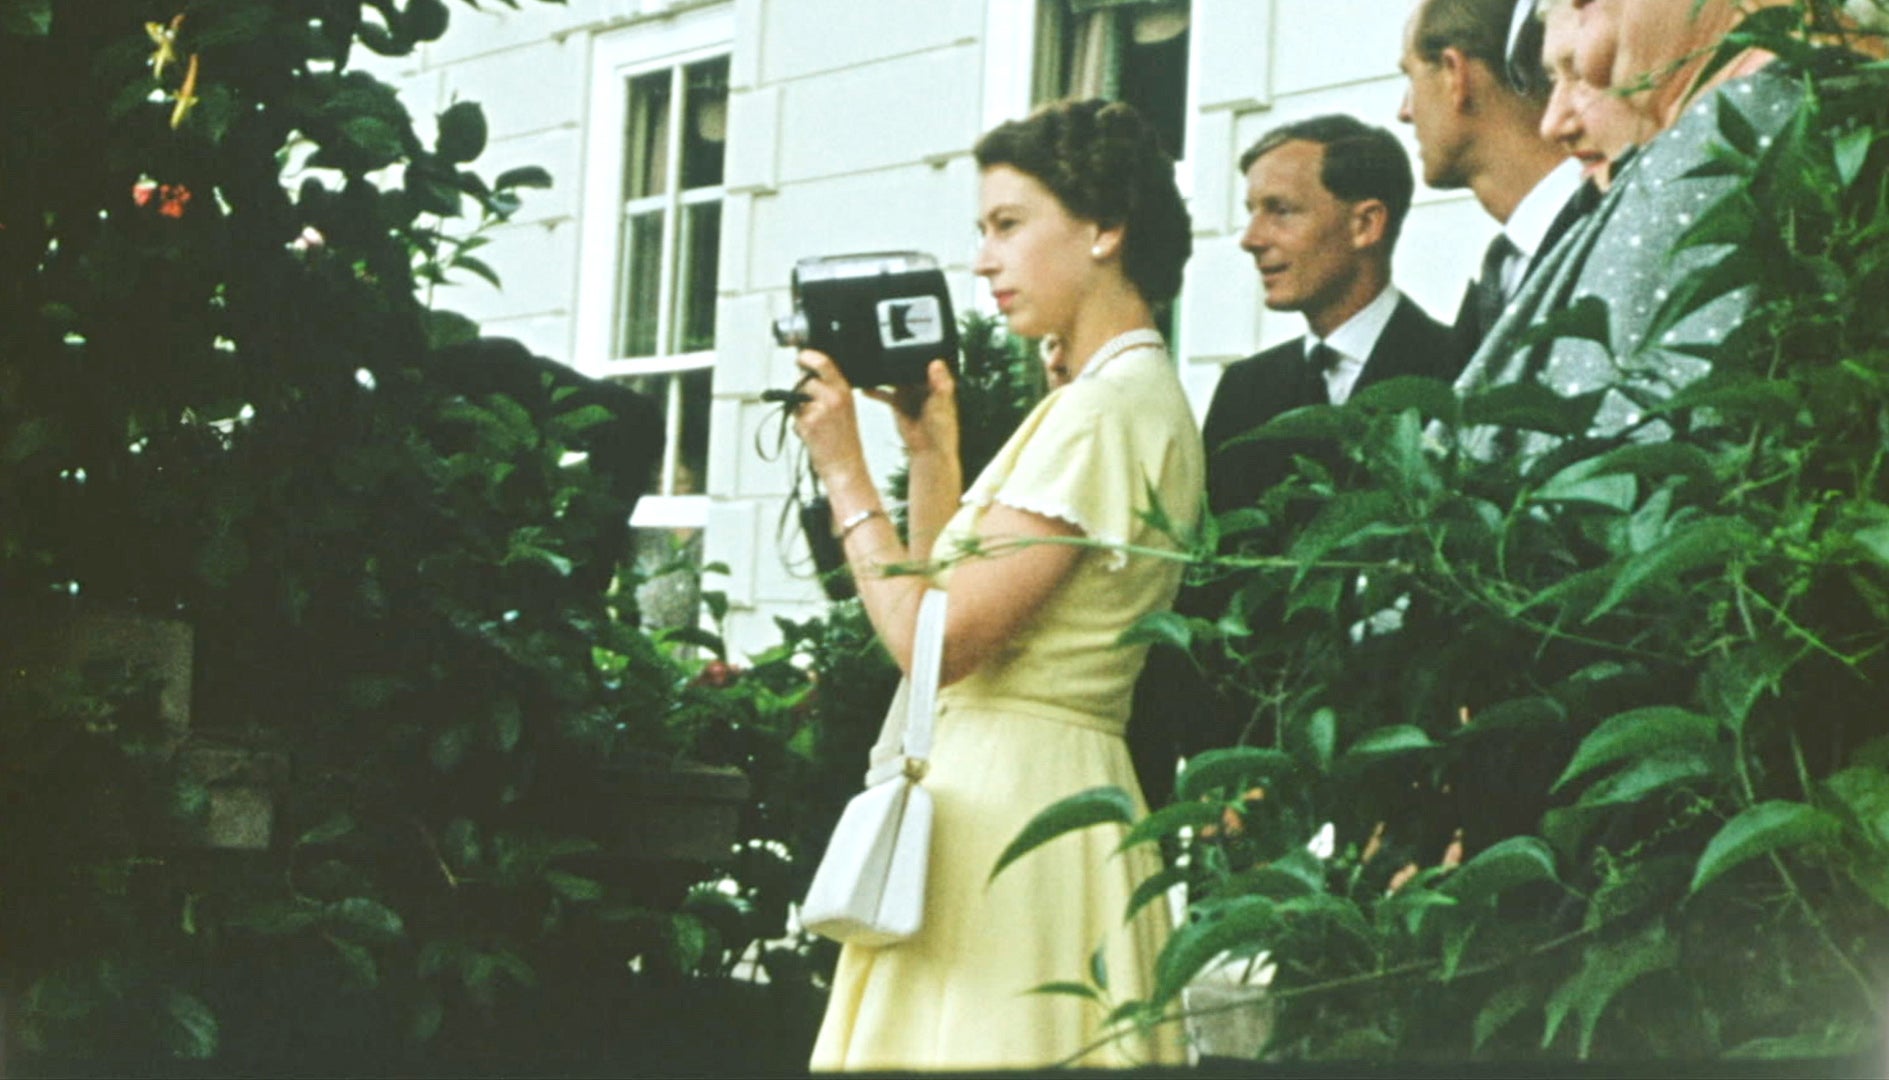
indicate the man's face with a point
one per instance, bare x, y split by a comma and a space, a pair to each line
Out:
1303, 239
1429, 107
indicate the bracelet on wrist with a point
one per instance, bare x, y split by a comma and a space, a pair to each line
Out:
855, 520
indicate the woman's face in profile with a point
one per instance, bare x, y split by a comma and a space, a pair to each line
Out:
1595, 125
1627, 45
1034, 253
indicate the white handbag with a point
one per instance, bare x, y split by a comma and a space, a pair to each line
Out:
870, 885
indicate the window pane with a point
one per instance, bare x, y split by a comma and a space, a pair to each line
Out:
646, 137
1154, 72
705, 133
659, 389
691, 476
640, 278
696, 277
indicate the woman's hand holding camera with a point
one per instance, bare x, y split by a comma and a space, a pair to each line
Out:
826, 421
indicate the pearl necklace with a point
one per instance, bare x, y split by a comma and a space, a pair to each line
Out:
1117, 346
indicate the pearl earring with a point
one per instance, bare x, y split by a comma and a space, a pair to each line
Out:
1095, 252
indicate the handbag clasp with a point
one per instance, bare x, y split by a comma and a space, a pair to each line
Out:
916, 768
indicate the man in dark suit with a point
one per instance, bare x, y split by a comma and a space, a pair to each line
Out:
1475, 97
1327, 197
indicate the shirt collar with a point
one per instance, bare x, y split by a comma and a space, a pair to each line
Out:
1357, 337
1528, 226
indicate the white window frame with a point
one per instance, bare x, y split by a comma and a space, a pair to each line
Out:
617, 57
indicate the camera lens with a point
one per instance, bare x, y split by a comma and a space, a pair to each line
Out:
791, 330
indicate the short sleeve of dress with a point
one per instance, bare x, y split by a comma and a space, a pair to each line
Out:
1077, 463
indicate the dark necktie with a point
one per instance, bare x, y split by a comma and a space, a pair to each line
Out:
1320, 362
1491, 297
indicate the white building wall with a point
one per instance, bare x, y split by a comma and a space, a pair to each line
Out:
850, 129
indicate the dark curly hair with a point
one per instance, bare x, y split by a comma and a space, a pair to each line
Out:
1103, 163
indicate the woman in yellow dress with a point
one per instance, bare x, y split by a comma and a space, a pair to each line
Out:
1084, 237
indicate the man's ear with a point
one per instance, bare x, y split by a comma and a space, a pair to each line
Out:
1455, 64
1370, 224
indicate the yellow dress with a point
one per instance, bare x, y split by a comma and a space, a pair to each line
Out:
1041, 721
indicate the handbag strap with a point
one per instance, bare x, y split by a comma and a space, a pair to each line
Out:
909, 729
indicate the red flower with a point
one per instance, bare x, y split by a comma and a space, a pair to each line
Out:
172, 199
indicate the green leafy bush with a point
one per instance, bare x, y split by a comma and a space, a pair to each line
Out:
1613, 785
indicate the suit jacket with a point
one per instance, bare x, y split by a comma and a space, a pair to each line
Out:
1470, 327
1260, 387
1174, 711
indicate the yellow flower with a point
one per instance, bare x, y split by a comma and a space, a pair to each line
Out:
165, 38
187, 96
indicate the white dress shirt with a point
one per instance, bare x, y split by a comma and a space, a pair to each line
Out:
1354, 341
1528, 226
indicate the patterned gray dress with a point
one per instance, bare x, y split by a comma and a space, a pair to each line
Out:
1626, 254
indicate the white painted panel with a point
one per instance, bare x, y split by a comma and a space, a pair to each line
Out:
917, 207
495, 28
1440, 251
558, 151
732, 540
1232, 44
804, 37
547, 335
754, 126
921, 107
1218, 190
1219, 309
746, 359
525, 89
533, 263
1320, 43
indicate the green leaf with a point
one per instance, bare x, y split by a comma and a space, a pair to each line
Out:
1762, 829
462, 132
279, 916
508, 724
460, 844
1852, 150
1606, 970
1585, 320
1232, 770
1085, 809
528, 176
1312, 738
1386, 741
1154, 887
26, 18
1345, 520
1863, 790
1590, 481
1843, 1040
445, 328
359, 962
1502, 1007
375, 137
1244, 923
449, 748
1163, 628
1433, 399
1170, 820
366, 919
425, 20
428, 1014
1532, 407
478, 267
1734, 681
1700, 543
193, 1033
1638, 732
573, 887
1519, 860
1067, 989
1654, 773
1098, 968
336, 827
